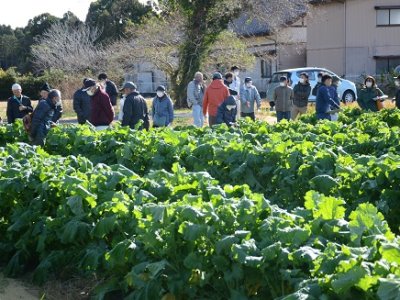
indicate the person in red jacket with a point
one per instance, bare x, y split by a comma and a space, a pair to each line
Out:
102, 112
215, 94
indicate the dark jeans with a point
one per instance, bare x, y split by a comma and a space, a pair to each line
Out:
212, 120
280, 115
249, 115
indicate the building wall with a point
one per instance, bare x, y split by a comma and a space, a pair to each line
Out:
345, 38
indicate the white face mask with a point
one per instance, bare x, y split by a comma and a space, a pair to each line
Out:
160, 94
302, 80
319, 79
397, 83
368, 84
230, 107
236, 73
90, 92
248, 85
282, 84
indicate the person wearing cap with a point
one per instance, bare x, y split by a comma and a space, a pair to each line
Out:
135, 107
44, 94
369, 95
110, 88
162, 109
102, 112
42, 117
301, 92
81, 104
195, 95
18, 106
227, 111
215, 94
283, 97
318, 85
249, 96
397, 97
325, 100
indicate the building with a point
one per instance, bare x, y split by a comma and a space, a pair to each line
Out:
354, 37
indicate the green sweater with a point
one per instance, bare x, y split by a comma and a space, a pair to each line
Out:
365, 98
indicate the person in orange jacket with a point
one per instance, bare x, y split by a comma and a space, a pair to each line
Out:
215, 94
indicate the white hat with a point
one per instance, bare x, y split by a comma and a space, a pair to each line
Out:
16, 86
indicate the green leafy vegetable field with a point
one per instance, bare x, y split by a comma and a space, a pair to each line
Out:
299, 210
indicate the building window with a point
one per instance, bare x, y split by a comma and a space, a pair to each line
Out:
266, 68
388, 16
386, 64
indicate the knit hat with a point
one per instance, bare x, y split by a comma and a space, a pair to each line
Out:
247, 79
45, 87
16, 87
89, 83
217, 75
160, 88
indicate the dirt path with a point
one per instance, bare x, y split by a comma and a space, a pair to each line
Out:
11, 289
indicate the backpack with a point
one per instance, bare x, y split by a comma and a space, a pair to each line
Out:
27, 122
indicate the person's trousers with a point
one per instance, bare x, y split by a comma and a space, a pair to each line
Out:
280, 115
198, 119
323, 116
212, 120
248, 115
298, 111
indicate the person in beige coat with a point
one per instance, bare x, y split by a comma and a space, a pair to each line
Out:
283, 98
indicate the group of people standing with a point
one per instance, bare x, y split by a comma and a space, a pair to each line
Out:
224, 100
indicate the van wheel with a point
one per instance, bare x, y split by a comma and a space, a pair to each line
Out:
348, 97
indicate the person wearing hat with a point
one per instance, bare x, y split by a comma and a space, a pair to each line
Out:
215, 94
102, 112
42, 117
249, 96
162, 109
44, 91
135, 107
227, 111
110, 88
283, 97
369, 95
18, 106
195, 95
301, 92
81, 104
318, 85
326, 99
397, 97
44, 94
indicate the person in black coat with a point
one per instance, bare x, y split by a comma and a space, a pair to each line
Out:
318, 85
227, 111
397, 98
42, 117
18, 106
110, 88
135, 107
82, 104
44, 94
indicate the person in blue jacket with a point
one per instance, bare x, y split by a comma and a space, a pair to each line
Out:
326, 99
162, 109
227, 111
42, 117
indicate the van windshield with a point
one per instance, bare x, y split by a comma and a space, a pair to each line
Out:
275, 78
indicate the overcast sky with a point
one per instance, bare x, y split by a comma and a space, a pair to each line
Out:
17, 13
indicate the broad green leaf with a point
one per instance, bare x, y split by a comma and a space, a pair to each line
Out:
389, 288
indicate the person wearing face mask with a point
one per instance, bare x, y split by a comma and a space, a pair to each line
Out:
249, 96
162, 109
397, 97
135, 108
18, 106
81, 104
283, 97
195, 95
369, 95
318, 85
215, 94
227, 111
301, 93
42, 117
326, 99
44, 93
102, 112
110, 88
236, 87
